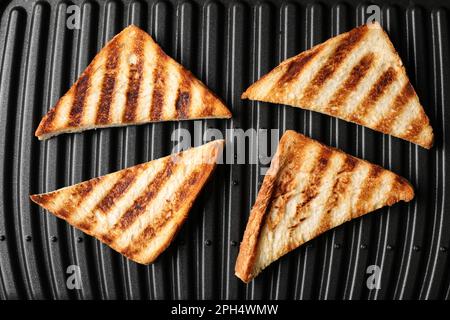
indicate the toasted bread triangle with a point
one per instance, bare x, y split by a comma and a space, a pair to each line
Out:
356, 76
137, 211
131, 81
311, 188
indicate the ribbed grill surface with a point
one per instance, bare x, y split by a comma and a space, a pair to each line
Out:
228, 45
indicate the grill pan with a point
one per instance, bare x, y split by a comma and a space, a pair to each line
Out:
228, 45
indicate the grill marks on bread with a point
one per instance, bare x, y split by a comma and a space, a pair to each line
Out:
311, 188
137, 211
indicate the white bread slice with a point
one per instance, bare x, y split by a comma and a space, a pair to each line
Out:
311, 188
137, 211
131, 81
356, 76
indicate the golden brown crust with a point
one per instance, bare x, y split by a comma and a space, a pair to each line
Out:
137, 211
103, 115
356, 76
376, 92
329, 169
290, 69
346, 45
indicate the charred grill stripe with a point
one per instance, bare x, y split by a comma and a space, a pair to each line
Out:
334, 61
399, 104
134, 81
117, 191
147, 235
295, 67
109, 83
354, 78
315, 181
184, 192
141, 202
369, 185
399, 184
80, 93
62, 213
285, 184
83, 190
47, 124
375, 93
122, 184
159, 86
87, 224
183, 99
182, 105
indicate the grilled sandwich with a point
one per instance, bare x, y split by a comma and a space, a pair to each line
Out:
356, 76
311, 188
137, 211
131, 81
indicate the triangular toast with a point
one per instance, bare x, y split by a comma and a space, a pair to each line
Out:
131, 81
356, 76
137, 211
311, 188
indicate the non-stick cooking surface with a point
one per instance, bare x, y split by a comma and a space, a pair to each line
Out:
228, 45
